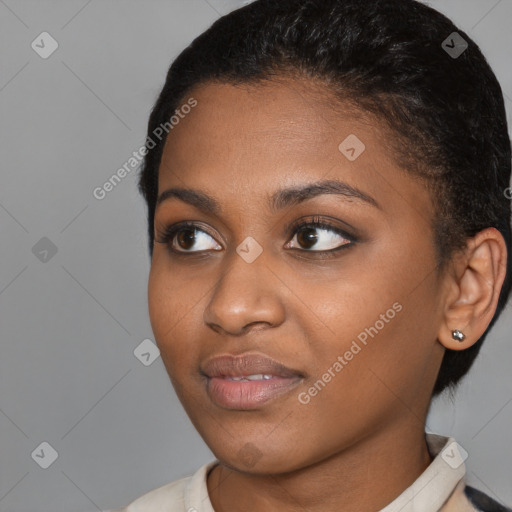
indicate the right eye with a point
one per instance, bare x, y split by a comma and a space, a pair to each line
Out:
188, 237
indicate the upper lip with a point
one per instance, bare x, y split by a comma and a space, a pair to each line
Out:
246, 364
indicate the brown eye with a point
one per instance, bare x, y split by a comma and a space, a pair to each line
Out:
193, 239
318, 237
307, 237
186, 238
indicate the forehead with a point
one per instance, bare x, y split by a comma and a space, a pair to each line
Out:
290, 114
243, 140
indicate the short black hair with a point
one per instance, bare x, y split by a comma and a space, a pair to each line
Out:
392, 59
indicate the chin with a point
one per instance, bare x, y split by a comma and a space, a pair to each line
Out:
256, 457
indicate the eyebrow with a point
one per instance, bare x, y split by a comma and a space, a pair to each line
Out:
279, 200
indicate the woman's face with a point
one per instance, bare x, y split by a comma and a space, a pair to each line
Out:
349, 305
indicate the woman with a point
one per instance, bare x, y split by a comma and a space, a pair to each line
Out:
329, 228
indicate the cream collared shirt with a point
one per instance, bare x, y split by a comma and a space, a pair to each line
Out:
440, 488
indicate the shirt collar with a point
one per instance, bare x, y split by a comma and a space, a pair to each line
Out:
434, 486
428, 492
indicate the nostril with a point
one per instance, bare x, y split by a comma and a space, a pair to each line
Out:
256, 326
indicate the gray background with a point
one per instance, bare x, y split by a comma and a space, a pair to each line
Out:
69, 325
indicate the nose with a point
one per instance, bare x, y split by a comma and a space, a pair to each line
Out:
245, 297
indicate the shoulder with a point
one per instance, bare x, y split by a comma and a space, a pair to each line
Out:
160, 499
177, 496
482, 502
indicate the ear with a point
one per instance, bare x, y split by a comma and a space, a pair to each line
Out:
474, 288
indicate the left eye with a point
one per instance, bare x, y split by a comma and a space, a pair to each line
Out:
318, 238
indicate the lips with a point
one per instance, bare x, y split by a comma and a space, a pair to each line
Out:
245, 365
247, 381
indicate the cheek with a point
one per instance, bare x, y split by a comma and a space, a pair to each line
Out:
361, 385
160, 302
172, 296
173, 308
382, 322
390, 358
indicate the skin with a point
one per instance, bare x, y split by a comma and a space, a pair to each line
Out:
360, 441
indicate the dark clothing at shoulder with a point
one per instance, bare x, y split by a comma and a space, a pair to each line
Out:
483, 502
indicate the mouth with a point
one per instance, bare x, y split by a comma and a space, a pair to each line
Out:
247, 381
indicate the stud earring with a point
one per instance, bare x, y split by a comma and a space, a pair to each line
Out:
458, 335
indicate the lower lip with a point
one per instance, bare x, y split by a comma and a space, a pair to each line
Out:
245, 395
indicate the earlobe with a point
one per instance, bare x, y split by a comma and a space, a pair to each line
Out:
456, 339
458, 335
476, 285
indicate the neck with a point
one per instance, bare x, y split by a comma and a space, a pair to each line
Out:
364, 477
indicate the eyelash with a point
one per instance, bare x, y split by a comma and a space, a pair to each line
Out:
170, 232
